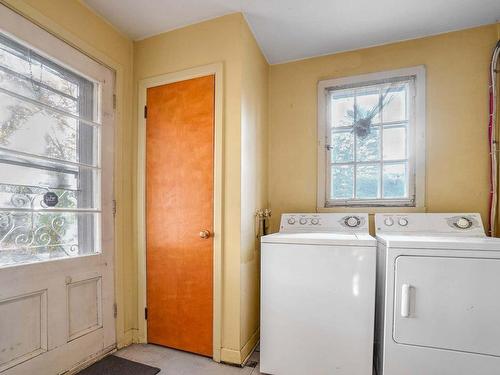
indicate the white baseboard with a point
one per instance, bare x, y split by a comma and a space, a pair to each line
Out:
238, 357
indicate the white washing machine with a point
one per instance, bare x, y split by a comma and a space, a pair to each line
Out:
318, 296
438, 296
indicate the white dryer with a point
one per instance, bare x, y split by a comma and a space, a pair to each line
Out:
318, 296
438, 296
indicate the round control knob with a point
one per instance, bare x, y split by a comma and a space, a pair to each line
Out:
314, 221
463, 223
388, 221
352, 221
291, 221
303, 221
403, 222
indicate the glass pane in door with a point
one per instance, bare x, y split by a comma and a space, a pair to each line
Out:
49, 159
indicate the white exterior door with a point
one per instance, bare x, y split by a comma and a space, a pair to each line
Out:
56, 201
448, 303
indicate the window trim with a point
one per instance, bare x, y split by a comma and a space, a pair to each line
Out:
416, 144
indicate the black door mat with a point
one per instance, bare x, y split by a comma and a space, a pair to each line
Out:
113, 365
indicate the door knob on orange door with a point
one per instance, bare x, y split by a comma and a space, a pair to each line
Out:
205, 234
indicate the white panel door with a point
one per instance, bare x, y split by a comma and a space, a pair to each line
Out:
56, 195
448, 302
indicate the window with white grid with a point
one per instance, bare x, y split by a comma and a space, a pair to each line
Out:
49, 158
368, 140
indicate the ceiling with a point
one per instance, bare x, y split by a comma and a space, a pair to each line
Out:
296, 29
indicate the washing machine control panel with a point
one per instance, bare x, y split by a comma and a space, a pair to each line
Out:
324, 222
469, 223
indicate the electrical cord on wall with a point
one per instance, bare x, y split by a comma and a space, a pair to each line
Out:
492, 137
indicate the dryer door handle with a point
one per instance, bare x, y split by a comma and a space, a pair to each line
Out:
405, 300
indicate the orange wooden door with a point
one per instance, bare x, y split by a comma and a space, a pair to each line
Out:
180, 164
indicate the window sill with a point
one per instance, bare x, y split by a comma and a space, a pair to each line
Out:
372, 210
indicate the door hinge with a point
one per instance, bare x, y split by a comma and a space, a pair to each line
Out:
114, 101
145, 112
146, 313
114, 207
115, 310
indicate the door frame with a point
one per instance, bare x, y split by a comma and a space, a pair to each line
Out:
215, 69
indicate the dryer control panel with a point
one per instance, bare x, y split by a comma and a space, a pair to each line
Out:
324, 222
438, 223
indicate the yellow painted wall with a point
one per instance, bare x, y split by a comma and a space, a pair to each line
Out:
228, 40
457, 104
253, 182
72, 21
